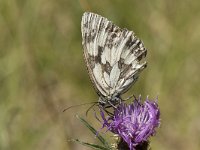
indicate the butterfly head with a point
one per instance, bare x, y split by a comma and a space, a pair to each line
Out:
110, 102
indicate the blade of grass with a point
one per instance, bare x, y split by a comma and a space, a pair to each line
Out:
94, 146
101, 139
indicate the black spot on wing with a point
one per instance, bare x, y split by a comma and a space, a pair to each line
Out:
91, 61
98, 57
106, 67
125, 70
121, 63
141, 54
131, 41
139, 50
136, 47
91, 36
113, 35
110, 27
102, 25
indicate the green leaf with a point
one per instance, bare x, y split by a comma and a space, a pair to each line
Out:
94, 146
101, 139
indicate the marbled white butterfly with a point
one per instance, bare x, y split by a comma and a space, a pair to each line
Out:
113, 57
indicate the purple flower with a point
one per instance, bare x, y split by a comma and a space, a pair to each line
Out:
135, 122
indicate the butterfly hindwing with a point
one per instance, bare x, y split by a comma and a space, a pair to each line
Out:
113, 55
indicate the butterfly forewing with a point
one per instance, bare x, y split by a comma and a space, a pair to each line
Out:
113, 55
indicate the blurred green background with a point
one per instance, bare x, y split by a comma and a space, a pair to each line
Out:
42, 70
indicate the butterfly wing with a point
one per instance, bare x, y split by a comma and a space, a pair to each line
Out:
113, 55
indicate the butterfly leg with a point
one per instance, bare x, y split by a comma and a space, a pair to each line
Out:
129, 97
104, 108
109, 113
90, 108
111, 104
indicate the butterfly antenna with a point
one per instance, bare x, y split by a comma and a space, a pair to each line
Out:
95, 103
78, 105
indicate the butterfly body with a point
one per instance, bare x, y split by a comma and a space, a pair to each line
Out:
107, 102
113, 57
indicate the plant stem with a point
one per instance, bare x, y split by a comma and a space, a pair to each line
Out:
124, 146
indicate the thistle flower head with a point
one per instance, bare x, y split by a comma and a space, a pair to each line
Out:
135, 122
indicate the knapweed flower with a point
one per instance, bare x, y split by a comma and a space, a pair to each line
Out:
134, 123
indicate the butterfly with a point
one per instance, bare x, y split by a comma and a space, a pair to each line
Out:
114, 57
